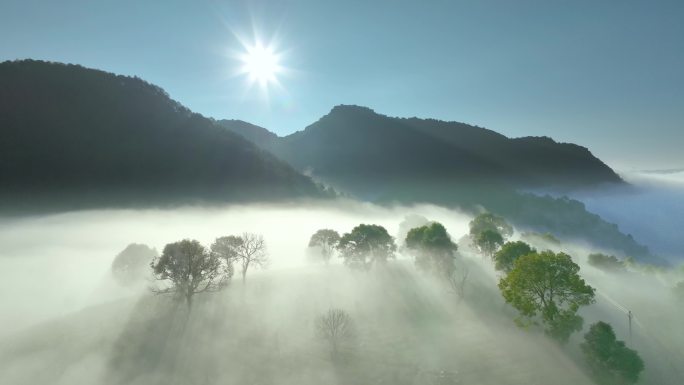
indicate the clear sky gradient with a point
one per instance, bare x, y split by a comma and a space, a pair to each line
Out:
605, 74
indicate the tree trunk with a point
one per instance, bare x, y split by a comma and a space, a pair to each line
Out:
244, 272
188, 297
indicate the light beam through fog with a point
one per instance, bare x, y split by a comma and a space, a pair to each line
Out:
57, 282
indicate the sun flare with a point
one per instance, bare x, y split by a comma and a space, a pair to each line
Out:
261, 64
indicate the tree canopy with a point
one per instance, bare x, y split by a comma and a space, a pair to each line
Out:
510, 251
490, 222
247, 250
546, 286
325, 241
488, 242
226, 247
132, 263
611, 362
433, 249
190, 269
366, 245
605, 262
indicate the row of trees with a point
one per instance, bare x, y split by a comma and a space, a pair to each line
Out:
368, 245
361, 248
546, 288
187, 267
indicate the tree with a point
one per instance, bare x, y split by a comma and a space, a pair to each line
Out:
433, 249
488, 242
131, 264
491, 222
226, 247
547, 286
611, 362
605, 262
510, 251
458, 280
249, 250
325, 241
190, 269
366, 245
335, 327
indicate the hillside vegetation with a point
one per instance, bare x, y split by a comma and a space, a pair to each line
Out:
72, 131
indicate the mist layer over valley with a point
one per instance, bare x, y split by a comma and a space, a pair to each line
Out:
651, 208
68, 321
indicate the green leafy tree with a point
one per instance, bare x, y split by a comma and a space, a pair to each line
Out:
606, 262
324, 241
226, 247
433, 249
510, 251
488, 242
611, 362
491, 222
366, 245
188, 268
546, 287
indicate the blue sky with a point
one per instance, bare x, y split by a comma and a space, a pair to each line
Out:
605, 74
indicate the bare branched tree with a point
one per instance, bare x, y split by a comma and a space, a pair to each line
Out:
189, 269
251, 251
458, 280
336, 327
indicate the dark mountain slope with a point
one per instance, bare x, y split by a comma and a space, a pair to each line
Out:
535, 160
68, 129
255, 134
354, 148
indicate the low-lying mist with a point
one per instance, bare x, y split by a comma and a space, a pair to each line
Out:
67, 257
651, 209
67, 321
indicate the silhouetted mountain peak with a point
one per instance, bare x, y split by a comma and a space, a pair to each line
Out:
351, 109
357, 142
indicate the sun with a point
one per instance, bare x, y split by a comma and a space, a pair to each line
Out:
261, 64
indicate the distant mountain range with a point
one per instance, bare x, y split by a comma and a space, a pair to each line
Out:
65, 130
354, 148
72, 137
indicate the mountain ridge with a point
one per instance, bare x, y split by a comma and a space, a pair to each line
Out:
75, 131
437, 148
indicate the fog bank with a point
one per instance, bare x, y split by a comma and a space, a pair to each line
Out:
651, 209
